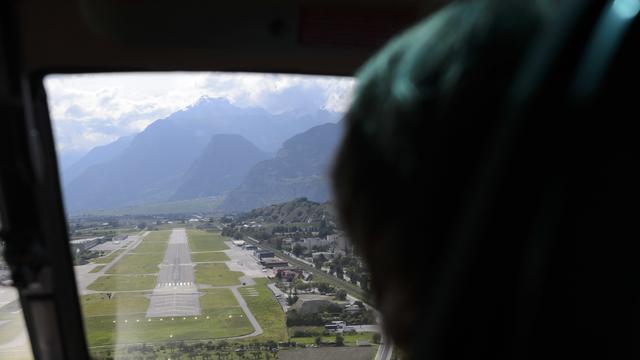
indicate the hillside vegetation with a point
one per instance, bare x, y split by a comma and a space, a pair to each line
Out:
300, 210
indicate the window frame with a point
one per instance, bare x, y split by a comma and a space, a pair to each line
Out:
34, 229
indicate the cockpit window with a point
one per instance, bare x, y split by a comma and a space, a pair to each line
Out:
200, 216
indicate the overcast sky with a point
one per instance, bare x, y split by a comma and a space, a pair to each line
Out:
92, 110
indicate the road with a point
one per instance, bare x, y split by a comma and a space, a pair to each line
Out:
280, 296
175, 293
252, 319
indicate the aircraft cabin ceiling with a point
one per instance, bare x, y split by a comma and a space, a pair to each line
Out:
322, 37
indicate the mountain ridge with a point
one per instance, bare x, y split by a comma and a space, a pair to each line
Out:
152, 166
222, 165
300, 169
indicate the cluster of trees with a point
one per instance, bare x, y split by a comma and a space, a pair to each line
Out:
276, 227
84, 256
232, 232
338, 342
298, 250
200, 350
292, 299
340, 266
307, 332
295, 318
286, 229
365, 317
321, 286
328, 313
208, 226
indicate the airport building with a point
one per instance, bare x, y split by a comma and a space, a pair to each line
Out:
263, 254
273, 262
85, 244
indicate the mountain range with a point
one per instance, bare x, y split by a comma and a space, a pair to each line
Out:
97, 155
208, 149
298, 170
300, 210
222, 166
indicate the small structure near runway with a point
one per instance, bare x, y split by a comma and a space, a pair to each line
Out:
274, 262
85, 244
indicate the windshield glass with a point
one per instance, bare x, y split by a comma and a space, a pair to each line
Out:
200, 215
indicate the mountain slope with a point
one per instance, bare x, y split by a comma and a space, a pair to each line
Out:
153, 166
299, 210
298, 170
97, 155
221, 167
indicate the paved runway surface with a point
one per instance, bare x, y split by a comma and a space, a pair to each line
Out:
176, 293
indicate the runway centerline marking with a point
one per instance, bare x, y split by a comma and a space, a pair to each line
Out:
175, 293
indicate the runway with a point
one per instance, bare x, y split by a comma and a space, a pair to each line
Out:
175, 293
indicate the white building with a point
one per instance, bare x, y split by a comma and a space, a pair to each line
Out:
85, 244
309, 243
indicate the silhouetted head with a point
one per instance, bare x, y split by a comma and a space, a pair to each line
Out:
422, 110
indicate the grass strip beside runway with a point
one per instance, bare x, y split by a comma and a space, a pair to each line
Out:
209, 256
107, 259
221, 317
123, 283
206, 241
216, 274
97, 269
266, 310
154, 242
137, 264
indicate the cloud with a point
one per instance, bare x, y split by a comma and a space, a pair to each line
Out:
95, 109
281, 92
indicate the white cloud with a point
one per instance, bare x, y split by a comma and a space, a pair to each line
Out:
94, 109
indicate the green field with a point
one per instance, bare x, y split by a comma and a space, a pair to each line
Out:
206, 241
136, 328
217, 298
120, 303
221, 317
107, 259
209, 256
151, 247
123, 283
137, 264
267, 311
216, 274
154, 242
97, 268
144, 259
